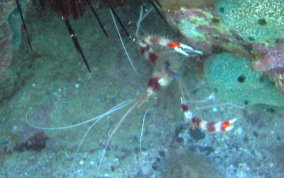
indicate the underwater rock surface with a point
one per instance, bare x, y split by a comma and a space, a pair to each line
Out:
234, 79
203, 29
271, 63
10, 39
176, 4
58, 91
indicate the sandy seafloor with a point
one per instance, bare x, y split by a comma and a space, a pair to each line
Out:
59, 91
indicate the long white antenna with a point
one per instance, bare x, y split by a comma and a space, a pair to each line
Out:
142, 130
129, 59
141, 18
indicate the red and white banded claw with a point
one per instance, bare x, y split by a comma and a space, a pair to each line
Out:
183, 48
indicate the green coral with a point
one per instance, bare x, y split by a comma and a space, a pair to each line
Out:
233, 79
256, 21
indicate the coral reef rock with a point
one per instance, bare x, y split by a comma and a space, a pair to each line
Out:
7, 7
271, 62
273, 57
203, 29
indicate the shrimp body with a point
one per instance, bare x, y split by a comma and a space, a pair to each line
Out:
165, 72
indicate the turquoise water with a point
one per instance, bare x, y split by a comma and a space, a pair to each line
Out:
51, 88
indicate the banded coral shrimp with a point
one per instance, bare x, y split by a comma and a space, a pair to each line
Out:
54, 120
166, 68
